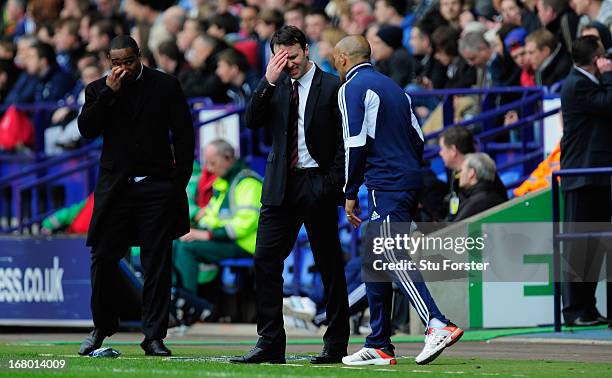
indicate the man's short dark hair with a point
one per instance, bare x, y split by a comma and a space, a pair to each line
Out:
584, 50
399, 5
288, 36
105, 27
45, 51
543, 38
226, 22
445, 39
124, 42
234, 58
318, 12
169, 49
559, 6
272, 16
460, 137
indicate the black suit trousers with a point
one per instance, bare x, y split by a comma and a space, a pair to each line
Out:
143, 214
583, 259
305, 203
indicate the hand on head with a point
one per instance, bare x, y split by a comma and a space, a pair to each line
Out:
276, 65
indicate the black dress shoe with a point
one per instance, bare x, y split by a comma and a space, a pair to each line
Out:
329, 356
155, 348
92, 342
258, 356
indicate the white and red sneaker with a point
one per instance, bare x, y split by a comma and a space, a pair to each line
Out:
436, 340
370, 356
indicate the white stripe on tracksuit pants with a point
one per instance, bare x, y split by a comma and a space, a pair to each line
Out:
411, 283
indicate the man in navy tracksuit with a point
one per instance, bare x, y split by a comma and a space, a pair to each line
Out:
384, 145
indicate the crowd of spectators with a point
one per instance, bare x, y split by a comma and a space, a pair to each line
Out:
427, 44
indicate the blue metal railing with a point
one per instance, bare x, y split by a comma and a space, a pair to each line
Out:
14, 181
558, 236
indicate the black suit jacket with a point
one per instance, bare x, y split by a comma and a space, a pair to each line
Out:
269, 107
587, 133
135, 124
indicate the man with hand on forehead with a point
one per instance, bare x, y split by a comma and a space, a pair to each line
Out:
297, 102
140, 196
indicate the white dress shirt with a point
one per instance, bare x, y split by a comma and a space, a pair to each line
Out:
304, 158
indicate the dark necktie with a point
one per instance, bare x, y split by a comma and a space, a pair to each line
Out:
292, 145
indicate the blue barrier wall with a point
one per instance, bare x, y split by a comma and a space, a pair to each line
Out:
44, 282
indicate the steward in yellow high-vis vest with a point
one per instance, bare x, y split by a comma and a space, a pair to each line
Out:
228, 228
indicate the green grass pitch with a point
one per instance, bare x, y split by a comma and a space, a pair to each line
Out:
190, 361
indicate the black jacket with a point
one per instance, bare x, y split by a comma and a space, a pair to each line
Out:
587, 135
400, 67
555, 69
135, 124
269, 108
476, 199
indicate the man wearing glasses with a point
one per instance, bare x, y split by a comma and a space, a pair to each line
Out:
140, 196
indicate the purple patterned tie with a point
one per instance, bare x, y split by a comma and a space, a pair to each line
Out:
292, 145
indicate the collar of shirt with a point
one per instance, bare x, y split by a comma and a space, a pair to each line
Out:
353, 70
306, 79
140, 74
587, 74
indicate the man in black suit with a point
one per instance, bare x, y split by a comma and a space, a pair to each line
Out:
140, 196
303, 185
586, 103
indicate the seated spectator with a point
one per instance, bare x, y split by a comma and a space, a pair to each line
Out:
451, 10
455, 143
224, 26
515, 13
557, 17
68, 45
431, 74
233, 70
200, 80
229, 226
477, 52
315, 22
504, 71
72, 220
64, 135
391, 57
361, 16
248, 20
598, 30
394, 12
477, 186
191, 29
100, 34
53, 83
459, 73
295, 15
329, 38
515, 45
547, 57
269, 22
170, 59
14, 13
595, 10
23, 90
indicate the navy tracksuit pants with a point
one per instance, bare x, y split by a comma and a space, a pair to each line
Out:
387, 207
